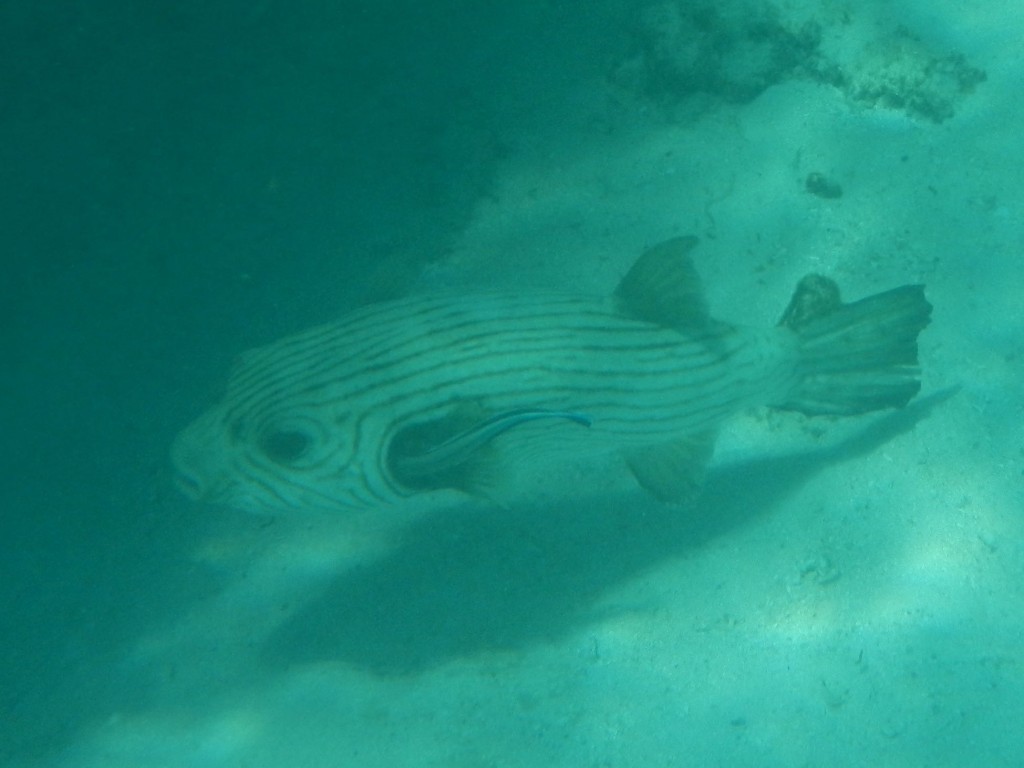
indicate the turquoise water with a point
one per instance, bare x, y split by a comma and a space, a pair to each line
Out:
180, 185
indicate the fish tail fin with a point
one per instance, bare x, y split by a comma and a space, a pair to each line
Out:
855, 357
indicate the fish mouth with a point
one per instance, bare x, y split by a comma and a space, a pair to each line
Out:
187, 461
189, 485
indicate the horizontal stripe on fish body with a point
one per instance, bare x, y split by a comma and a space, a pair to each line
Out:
534, 334
505, 353
358, 344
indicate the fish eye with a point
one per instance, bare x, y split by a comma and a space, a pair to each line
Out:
286, 446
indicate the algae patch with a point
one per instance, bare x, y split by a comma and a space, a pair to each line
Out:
686, 53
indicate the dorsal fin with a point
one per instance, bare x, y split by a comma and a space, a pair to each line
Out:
663, 287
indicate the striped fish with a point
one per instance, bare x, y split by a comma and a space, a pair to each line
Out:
446, 391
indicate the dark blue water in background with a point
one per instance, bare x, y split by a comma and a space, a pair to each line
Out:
180, 182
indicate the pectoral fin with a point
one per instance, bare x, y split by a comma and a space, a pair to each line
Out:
450, 453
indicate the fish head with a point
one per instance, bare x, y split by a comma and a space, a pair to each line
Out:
275, 443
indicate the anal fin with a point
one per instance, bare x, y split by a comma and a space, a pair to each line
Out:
673, 472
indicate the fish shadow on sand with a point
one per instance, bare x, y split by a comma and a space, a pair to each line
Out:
467, 581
